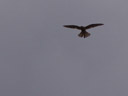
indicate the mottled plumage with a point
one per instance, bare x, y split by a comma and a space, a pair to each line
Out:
83, 29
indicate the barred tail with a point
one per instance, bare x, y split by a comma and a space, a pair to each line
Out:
84, 34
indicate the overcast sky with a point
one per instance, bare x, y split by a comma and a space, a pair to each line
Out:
39, 57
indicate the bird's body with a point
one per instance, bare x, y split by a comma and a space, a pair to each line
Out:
83, 29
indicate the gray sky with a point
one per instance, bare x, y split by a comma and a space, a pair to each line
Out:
39, 57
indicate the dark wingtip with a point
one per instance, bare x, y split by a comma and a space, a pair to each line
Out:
64, 25
101, 24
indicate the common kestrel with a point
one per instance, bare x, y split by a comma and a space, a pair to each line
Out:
83, 29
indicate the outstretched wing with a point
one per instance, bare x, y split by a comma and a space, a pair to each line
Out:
93, 25
72, 26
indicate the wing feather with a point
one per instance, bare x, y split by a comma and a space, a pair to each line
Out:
93, 25
72, 26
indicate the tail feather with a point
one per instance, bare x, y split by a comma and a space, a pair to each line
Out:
81, 34
84, 34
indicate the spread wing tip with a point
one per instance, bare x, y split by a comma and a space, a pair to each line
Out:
101, 24
65, 25
72, 26
94, 25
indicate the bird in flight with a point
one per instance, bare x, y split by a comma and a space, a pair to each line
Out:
83, 29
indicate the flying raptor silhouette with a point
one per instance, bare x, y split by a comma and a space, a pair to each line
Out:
83, 29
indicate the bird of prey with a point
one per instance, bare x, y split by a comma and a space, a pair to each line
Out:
83, 29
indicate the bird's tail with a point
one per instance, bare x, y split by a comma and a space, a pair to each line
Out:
84, 34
